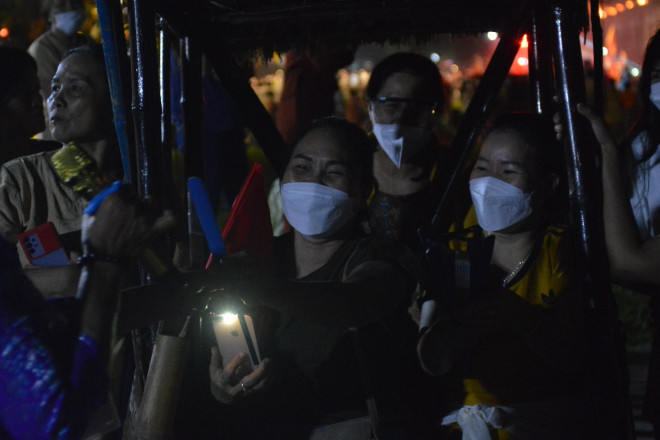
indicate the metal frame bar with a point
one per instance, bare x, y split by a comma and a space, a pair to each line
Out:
116, 61
608, 377
146, 103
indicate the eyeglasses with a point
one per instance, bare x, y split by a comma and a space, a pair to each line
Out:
388, 110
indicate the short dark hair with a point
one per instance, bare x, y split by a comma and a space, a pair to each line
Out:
95, 50
353, 139
412, 63
14, 64
538, 132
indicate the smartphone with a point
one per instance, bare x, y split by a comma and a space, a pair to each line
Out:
235, 334
43, 247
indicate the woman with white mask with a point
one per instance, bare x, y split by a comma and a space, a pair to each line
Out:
508, 342
405, 97
328, 277
631, 207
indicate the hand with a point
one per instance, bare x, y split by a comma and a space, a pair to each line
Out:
122, 226
237, 379
559, 127
598, 125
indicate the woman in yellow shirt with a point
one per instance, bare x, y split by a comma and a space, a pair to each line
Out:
509, 344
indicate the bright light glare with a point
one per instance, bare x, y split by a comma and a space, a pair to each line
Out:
522, 61
630, 4
634, 72
602, 14
435, 57
605, 51
354, 79
492, 36
4, 33
229, 318
524, 43
642, 2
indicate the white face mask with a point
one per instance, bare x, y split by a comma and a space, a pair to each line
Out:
401, 142
70, 22
314, 210
655, 95
498, 204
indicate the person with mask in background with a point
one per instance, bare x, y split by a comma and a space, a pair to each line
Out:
66, 18
631, 207
21, 107
405, 97
509, 343
328, 277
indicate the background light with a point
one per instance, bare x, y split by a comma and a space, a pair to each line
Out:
4, 33
634, 72
492, 36
435, 57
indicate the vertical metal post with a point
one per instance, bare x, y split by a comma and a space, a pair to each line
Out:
166, 111
116, 61
597, 38
607, 377
475, 118
540, 60
192, 107
145, 105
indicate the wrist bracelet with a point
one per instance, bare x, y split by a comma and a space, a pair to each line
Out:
90, 258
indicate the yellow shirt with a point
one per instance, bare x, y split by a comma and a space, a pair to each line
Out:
546, 276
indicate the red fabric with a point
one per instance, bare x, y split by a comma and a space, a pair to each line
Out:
248, 227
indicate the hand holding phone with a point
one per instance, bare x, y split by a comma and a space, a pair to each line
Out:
234, 334
43, 247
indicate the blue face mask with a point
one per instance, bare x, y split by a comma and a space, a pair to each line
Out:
314, 210
70, 22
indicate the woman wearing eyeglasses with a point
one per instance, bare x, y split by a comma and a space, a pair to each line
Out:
405, 96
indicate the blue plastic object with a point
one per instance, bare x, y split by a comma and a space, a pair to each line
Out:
206, 217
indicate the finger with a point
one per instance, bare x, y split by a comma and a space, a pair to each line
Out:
164, 222
266, 378
232, 366
260, 377
216, 363
556, 118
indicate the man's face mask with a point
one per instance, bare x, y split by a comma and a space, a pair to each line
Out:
401, 142
498, 204
70, 22
314, 210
